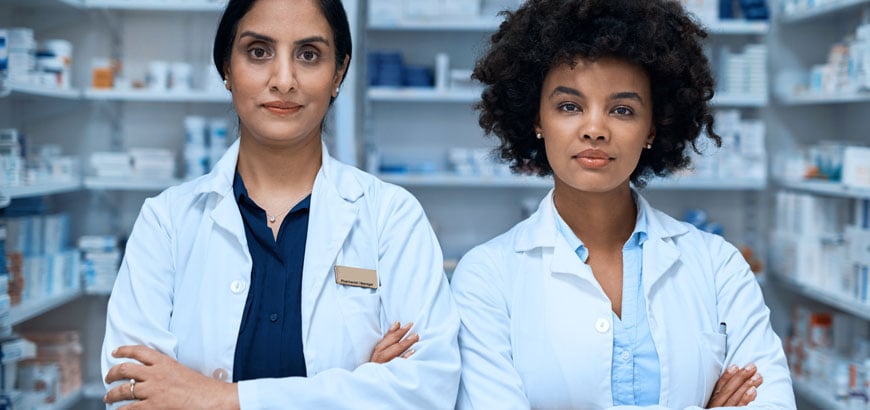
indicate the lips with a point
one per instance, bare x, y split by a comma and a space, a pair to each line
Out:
282, 107
593, 159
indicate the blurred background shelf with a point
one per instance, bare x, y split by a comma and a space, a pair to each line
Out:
129, 184
827, 188
828, 9
836, 300
29, 309
46, 188
152, 96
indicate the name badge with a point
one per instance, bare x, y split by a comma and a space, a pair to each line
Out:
363, 278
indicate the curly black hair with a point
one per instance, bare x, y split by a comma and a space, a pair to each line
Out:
657, 35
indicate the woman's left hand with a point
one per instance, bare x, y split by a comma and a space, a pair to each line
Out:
160, 382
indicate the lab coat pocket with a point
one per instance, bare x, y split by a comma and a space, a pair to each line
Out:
712, 346
360, 309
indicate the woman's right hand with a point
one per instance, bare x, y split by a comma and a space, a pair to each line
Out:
736, 387
393, 346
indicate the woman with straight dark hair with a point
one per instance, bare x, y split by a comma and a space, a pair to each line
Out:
281, 278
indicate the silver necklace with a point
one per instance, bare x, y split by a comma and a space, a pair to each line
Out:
274, 217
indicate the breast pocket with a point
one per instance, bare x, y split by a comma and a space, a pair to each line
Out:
712, 351
360, 309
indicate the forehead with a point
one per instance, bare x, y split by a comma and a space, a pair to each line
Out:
285, 20
603, 72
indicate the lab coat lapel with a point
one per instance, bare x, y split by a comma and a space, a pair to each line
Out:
333, 213
224, 208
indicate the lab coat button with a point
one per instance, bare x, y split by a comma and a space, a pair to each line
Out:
626, 355
602, 325
237, 286
220, 374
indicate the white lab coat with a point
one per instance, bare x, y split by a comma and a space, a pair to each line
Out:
536, 325
184, 280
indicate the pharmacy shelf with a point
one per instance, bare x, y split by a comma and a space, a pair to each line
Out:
43, 91
447, 180
827, 188
393, 94
93, 390
707, 184
438, 24
826, 9
732, 100
153, 5
827, 297
32, 308
129, 184
47, 188
739, 27
815, 395
155, 96
825, 98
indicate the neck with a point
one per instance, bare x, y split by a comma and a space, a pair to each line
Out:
279, 174
600, 220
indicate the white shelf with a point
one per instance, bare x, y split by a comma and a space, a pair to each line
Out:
738, 27
732, 100
47, 188
819, 98
840, 301
174, 5
817, 396
439, 24
447, 180
826, 9
410, 94
158, 96
42, 91
129, 184
827, 188
35, 307
706, 184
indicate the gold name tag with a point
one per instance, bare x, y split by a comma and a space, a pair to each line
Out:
363, 278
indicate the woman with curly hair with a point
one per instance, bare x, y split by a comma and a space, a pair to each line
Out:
598, 299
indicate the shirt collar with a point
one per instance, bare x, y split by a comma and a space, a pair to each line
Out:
637, 238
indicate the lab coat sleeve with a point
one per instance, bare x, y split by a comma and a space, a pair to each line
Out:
750, 338
489, 379
141, 302
415, 290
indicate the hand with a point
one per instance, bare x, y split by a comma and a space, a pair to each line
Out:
163, 383
736, 387
393, 346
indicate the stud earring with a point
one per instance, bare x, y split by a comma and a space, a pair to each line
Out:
227, 84
648, 145
539, 136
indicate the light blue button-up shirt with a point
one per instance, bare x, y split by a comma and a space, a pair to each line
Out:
635, 372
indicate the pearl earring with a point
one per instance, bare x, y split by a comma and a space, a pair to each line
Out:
539, 136
227, 84
648, 145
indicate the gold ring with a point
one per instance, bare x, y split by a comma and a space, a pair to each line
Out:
133, 386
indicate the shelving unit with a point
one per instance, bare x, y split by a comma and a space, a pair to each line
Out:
160, 96
35, 307
820, 99
42, 91
46, 188
819, 398
828, 9
827, 188
839, 301
128, 184
165, 5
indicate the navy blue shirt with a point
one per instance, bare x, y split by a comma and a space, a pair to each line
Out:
270, 336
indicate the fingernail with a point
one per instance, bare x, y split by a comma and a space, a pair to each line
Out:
395, 325
106, 398
411, 351
415, 335
756, 377
750, 367
750, 392
732, 369
115, 352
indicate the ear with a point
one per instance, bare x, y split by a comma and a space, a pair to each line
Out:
339, 75
227, 82
652, 135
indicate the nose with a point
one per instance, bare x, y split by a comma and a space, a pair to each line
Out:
595, 126
283, 79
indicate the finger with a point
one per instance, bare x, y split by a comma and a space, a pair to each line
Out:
408, 353
738, 391
125, 371
748, 397
392, 352
140, 353
718, 399
118, 393
394, 335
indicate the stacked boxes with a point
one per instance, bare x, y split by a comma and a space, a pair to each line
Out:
101, 259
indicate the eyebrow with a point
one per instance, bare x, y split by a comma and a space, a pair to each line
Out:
631, 95
267, 39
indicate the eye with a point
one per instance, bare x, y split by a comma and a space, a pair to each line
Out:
258, 53
569, 107
622, 110
309, 55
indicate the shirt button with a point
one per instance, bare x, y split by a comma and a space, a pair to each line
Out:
626, 356
273, 317
237, 286
220, 374
602, 325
